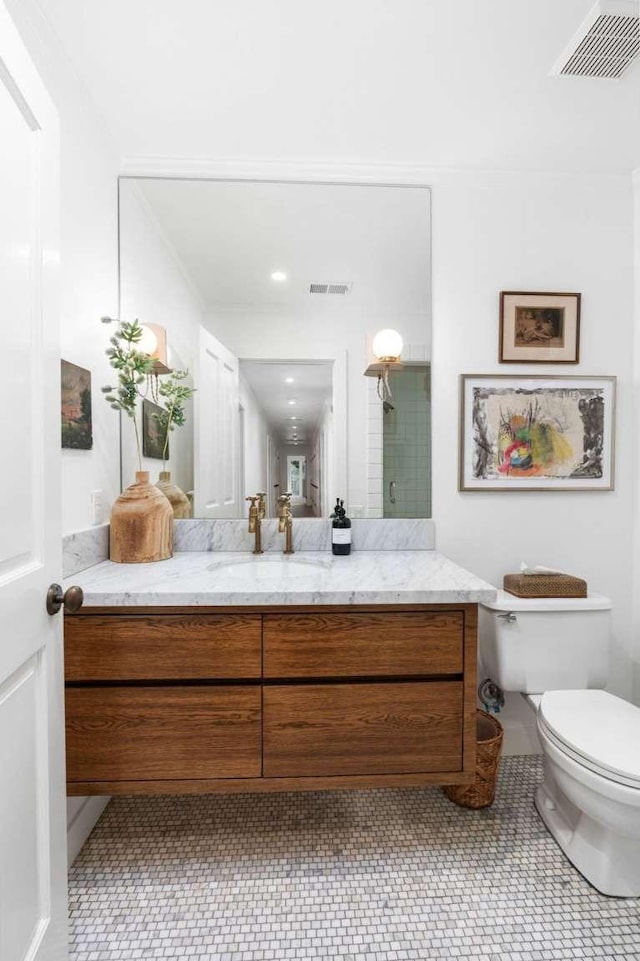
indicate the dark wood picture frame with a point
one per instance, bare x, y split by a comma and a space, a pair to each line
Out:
539, 327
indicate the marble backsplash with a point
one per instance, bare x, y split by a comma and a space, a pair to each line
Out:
309, 534
83, 549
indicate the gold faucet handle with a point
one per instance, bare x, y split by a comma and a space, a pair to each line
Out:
253, 501
262, 506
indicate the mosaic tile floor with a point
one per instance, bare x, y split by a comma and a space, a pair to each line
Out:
375, 875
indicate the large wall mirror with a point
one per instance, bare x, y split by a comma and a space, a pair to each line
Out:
270, 294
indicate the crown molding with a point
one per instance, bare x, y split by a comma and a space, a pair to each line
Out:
309, 171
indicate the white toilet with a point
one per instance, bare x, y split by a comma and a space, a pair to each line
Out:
556, 652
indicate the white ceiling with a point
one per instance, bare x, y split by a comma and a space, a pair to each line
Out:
433, 82
231, 236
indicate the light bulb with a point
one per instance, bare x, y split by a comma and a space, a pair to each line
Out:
148, 342
387, 345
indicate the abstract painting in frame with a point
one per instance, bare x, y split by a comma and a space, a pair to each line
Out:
539, 328
536, 433
75, 411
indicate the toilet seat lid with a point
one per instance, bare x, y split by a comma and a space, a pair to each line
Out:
599, 727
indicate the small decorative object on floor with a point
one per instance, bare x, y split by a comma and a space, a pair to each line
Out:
340, 530
481, 793
141, 524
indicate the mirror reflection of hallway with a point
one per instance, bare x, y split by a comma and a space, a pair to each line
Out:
297, 484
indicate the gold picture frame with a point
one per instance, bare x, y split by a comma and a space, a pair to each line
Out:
539, 328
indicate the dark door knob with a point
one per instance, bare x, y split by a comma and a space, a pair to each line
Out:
71, 599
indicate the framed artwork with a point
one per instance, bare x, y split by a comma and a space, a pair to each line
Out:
152, 432
538, 328
75, 410
536, 433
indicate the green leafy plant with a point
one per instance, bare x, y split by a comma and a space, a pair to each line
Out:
173, 394
133, 368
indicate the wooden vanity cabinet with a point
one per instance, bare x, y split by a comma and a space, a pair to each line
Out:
200, 700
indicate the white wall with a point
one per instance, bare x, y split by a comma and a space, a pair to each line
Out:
155, 289
497, 232
89, 264
255, 432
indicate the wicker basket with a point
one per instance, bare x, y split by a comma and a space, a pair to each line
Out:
480, 794
544, 585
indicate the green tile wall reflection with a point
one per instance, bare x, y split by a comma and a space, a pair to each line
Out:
406, 439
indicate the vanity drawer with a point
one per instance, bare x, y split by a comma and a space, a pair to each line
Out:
367, 645
333, 729
101, 648
163, 733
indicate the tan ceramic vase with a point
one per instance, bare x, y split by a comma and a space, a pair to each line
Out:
141, 524
177, 498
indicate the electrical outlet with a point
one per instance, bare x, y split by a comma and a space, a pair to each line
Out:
97, 507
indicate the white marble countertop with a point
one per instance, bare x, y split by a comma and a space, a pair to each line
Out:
221, 578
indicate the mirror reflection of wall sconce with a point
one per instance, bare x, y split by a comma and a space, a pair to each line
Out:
387, 348
152, 342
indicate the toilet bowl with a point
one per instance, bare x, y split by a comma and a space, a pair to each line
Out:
556, 652
590, 797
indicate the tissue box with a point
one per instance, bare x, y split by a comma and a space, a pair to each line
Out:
544, 585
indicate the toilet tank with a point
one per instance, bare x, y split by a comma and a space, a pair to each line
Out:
534, 645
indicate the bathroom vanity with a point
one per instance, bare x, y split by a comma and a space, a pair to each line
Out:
213, 672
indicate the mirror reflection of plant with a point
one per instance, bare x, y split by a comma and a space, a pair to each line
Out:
132, 366
173, 394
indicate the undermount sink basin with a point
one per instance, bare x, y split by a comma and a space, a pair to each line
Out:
269, 568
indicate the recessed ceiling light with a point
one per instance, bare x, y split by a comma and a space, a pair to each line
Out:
279, 276
291, 402
288, 380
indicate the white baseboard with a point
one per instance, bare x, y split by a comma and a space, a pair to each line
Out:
84, 814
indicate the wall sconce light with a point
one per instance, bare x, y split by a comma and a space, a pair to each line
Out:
387, 348
152, 342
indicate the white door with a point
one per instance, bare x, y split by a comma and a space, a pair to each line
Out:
33, 893
217, 431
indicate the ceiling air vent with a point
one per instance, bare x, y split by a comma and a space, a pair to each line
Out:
330, 288
606, 43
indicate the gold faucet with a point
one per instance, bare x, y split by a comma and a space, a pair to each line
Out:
285, 521
256, 513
